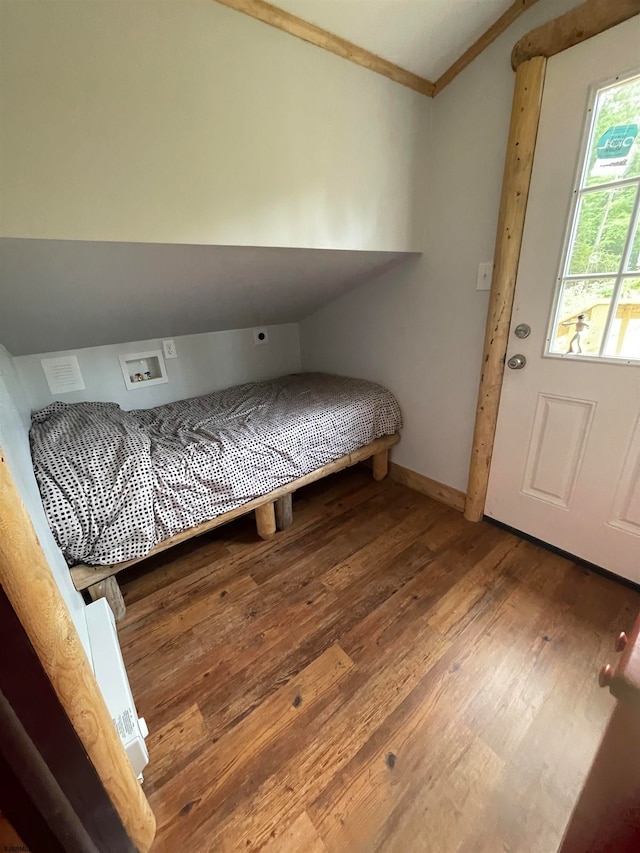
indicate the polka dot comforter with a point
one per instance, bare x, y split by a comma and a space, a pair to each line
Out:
115, 483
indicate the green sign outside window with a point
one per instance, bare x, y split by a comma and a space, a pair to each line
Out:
614, 150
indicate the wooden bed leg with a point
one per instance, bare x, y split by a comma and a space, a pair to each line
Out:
266, 520
381, 465
284, 511
109, 589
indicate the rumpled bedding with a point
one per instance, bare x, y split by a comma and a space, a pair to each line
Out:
115, 483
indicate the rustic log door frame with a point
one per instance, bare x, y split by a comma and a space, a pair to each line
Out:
49, 789
29, 585
529, 58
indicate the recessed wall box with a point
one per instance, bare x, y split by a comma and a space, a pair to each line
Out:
142, 369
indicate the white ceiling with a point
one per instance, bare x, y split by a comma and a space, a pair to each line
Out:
65, 294
423, 36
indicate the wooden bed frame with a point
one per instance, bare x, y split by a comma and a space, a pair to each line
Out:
273, 512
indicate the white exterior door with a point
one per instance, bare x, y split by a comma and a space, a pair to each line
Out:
566, 462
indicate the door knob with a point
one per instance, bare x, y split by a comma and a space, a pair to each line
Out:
517, 362
621, 642
605, 676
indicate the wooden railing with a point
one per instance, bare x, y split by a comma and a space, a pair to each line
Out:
596, 316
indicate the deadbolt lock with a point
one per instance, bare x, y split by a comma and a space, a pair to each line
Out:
523, 330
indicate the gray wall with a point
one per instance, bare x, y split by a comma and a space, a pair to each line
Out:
419, 329
14, 442
205, 363
62, 294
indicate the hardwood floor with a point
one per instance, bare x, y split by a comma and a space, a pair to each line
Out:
383, 675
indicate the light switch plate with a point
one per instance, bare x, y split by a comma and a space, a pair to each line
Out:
169, 348
485, 271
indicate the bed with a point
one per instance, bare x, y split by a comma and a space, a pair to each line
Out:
118, 486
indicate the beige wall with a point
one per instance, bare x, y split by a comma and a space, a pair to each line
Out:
420, 329
187, 122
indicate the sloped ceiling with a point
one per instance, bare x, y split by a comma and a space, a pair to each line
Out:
57, 294
423, 36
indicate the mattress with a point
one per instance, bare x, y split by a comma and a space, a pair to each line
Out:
115, 483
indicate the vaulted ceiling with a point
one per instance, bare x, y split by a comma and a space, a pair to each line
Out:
422, 36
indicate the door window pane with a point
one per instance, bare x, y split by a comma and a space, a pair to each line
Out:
601, 230
633, 264
624, 339
582, 316
614, 149
597, 307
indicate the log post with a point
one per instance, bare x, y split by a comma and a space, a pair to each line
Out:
266, 520
109, 589
575, 26
34, 595
284, 511
381, 465
525, 114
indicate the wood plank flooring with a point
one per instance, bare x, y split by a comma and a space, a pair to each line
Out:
383, 675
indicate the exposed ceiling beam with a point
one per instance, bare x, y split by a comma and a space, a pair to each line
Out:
575, 26
301, 29
505, 20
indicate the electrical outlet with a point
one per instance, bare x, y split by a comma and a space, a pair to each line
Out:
485, 271
169, 348
260, 336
